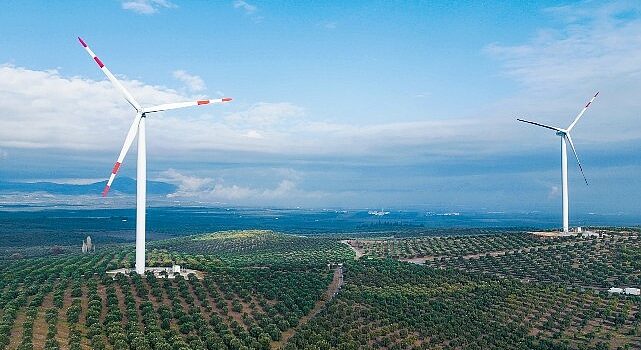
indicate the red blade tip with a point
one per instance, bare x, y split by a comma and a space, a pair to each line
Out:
100, 64
105, 191
82, 42
227, 99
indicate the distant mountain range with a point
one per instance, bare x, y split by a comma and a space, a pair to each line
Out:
123, 185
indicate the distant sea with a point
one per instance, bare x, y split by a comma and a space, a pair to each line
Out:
33, 225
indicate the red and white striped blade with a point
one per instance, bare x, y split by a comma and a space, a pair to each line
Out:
132, 101
168, 106
131, 135
582, 111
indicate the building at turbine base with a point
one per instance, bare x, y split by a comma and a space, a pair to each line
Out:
572, 232
160, 272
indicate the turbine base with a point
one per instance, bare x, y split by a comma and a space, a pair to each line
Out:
169, 272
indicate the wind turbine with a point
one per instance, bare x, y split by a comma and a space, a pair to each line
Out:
138, 127
565, 139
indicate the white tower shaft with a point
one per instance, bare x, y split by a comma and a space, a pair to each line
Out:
141, 197
564, 175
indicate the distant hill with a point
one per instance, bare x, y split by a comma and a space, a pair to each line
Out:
124, 185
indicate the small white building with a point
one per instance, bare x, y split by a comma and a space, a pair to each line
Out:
628, 291
160, 272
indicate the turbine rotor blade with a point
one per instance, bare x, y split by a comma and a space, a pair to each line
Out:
569, 138
168, 106
132, 101
582, 111
131, 135
542, 125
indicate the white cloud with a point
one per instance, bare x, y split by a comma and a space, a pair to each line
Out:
193, 82
250, 10
82, 114
245, 6
262, 114
330, 25
203, 189
146, 7
595, 43
45, 110
42, 109
186, 183
253, 134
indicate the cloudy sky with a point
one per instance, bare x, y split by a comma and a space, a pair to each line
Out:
357, 104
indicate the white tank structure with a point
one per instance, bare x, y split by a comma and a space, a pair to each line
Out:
138, 128
87, 246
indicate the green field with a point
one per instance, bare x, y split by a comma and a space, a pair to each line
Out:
262, 290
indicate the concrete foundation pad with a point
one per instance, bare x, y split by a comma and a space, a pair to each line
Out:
159, 272
546, 234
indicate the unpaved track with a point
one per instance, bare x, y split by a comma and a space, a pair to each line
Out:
330, 293
358, 252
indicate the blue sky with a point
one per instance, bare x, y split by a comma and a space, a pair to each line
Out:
366, 104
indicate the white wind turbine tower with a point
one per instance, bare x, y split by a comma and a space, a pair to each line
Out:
138, 127
565, 139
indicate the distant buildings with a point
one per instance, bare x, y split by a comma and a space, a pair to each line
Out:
378, 213
87, 246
